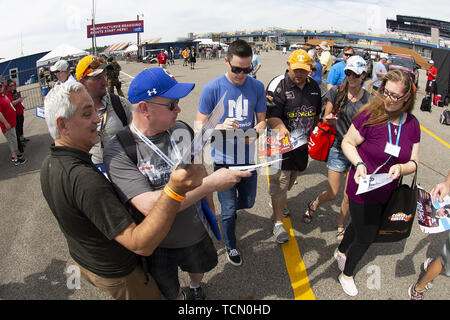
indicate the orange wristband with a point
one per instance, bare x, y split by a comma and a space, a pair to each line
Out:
175, 196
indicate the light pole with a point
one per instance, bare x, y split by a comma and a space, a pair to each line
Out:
94, 42
138, 38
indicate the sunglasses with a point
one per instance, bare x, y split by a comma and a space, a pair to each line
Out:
349, 73
238, 70
348, 54
95, 63
171, 106
391, 96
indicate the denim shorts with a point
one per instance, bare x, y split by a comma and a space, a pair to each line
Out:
337, 161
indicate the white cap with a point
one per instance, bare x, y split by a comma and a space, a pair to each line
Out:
61, 65
384, 55
356, 64
431, 62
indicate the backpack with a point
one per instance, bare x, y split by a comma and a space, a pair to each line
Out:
118, 109
426, 104
445, 117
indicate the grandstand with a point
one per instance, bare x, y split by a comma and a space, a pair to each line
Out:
418, 25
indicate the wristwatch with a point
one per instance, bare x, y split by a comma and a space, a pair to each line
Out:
363, 163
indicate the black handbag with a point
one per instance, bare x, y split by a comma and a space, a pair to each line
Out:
398, 215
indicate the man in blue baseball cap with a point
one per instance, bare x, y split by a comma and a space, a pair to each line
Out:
139, 161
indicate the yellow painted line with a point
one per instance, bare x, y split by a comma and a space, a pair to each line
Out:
294, 262
435, 136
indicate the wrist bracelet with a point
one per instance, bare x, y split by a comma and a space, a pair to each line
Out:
401, 168
363, 163
175, 196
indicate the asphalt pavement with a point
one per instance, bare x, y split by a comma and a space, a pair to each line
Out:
35, 262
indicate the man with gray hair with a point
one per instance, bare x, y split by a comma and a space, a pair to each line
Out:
103, 240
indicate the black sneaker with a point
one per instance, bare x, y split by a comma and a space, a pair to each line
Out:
234, 257
19, 161
19, 156
196, 293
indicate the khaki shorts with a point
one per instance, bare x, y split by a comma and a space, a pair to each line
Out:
281, 182
131, 287
11, 138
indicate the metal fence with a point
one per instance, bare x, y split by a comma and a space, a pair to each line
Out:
31, 96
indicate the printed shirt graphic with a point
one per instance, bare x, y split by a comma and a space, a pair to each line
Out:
242, 103
151, 174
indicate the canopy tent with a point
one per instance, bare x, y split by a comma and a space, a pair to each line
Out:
209, 42
132, 48
60, 52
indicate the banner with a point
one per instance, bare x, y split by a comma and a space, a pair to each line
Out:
432, 217
107, 29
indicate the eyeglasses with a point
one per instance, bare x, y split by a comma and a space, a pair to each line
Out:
238, 70
348, 54
171, 106
95, 63
349, 73
391, 96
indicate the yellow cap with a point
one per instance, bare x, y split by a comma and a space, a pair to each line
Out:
89, 66
299, 59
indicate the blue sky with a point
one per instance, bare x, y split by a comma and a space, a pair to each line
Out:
36, 26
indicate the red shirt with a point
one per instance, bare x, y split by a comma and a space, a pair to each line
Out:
433, 71
8, 112
162, 58
19, 106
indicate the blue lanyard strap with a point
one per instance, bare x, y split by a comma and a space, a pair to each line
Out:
390, 140
399, 130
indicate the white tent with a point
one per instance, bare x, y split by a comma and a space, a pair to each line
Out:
209, 42
60, 52
132, 48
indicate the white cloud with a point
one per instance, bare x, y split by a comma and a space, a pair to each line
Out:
46, 24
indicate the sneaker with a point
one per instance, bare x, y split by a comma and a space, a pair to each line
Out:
286, 211
280, 233
19, 156
414, 294
196, 293
348, 286
19, 161
234, 257
426, 264
340, 259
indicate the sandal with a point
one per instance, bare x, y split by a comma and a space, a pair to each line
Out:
340, 234
307, 216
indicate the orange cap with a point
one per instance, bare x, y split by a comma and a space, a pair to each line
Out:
89, 66
299, 59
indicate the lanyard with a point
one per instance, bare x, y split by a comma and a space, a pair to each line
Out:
399, 130
103, 122
156, 149
390, 140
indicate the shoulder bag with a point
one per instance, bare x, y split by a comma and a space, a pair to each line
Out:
398, 215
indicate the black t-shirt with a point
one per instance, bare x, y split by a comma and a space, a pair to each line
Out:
88, 212
297, 108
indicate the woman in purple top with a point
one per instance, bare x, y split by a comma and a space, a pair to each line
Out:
384, 137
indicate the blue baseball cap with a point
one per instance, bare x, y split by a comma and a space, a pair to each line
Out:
157, 82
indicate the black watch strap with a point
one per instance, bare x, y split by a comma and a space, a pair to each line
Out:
363, 163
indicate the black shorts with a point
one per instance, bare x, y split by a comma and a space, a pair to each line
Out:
431, 86
164, 263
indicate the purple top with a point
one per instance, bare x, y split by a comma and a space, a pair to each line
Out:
372, 153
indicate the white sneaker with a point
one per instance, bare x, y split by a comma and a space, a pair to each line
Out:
340, 259
348, 286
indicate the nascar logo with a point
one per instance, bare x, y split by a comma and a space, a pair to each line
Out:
401, 217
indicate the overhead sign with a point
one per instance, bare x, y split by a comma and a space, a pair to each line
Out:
107, 29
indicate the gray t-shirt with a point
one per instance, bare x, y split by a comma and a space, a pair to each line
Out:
109, 125
345, 118
152, 173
